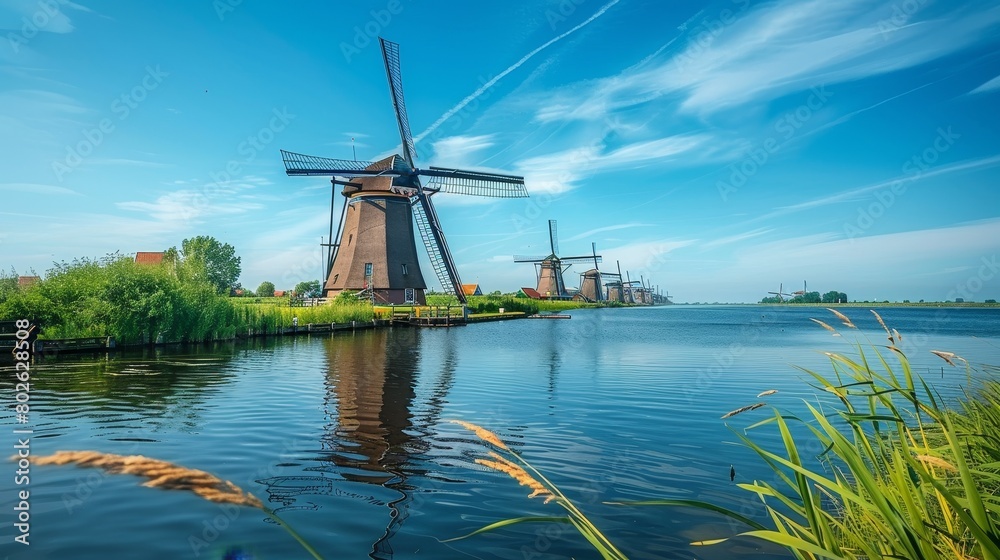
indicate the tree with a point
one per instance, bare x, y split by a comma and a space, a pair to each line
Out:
204, 258
266, 289
308, 289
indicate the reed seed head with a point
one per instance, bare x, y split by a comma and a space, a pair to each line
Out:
161, 474
518, 473
483, 434
742, 410
842, 317
948, 356
825, 326
766, 393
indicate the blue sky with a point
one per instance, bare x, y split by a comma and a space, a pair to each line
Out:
717, 149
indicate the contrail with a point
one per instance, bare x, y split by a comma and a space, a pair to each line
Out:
482, 89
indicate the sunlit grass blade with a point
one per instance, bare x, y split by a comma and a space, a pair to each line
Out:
509, 522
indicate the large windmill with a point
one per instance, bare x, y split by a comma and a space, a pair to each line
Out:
376, 249
550, 268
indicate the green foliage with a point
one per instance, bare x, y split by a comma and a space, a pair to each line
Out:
205, 259
266, 289
140, 304
310, 289
492, 304
834, 297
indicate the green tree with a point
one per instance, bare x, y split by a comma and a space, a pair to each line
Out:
205, 259
266, 289
308, 289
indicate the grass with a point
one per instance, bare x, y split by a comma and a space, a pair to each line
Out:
901, 475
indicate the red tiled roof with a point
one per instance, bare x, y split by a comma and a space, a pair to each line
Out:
471, 289
146, 257
532, 293
23, 281
279, 293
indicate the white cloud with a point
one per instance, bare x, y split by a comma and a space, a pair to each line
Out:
991, 85
559, 172
457, 151
774, 50
36, 188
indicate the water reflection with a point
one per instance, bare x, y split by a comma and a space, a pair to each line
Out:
370, 435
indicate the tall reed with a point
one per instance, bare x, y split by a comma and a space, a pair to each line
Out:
511, 463
901, 474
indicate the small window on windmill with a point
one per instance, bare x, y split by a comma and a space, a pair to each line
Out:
368, 269
350, 237
335, 276
408, 294
404, 269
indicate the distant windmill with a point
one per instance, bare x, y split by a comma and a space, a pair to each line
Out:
780, 293
805, 290
376, 249
616, 291
591, 286
551, 268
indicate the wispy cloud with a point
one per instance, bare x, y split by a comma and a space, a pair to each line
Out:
774, 50
36, 188
615, 227
560, 171
991, 85
858, 193
736, 238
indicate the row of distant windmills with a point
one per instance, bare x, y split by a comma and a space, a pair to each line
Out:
595, 285
373, 253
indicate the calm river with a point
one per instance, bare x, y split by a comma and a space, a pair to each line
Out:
349, 437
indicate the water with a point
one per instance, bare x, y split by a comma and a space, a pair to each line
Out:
348, 437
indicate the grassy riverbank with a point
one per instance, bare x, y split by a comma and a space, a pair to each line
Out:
137, 304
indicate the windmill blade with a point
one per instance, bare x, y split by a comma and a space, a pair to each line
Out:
390, 54
301, 164
553, 237
522, 258
586, 258
437, 247
475, 183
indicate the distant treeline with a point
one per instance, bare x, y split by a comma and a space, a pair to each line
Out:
810, 297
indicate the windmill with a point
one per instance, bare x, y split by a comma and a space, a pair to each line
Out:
805, 290
780, 293
376, 253
550, 268
616, 290
591, 286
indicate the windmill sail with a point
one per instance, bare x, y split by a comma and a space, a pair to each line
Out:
390, 54
437, 247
